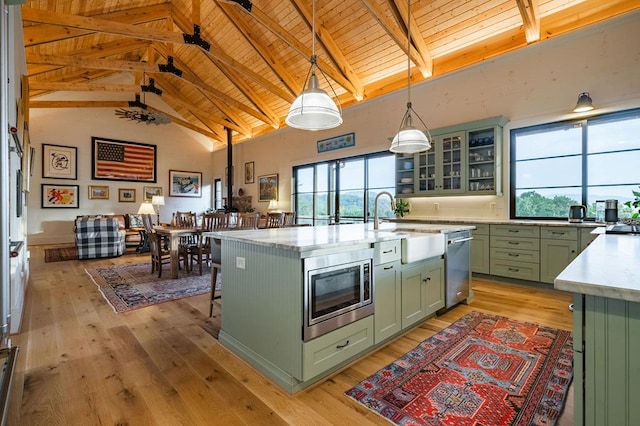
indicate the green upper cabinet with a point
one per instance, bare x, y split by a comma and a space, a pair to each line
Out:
465, 159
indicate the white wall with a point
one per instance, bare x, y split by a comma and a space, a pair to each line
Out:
177, 149
534, 85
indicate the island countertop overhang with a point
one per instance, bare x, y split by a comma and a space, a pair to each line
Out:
608, 267
306, 238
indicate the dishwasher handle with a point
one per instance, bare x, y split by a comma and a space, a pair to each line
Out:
459, 240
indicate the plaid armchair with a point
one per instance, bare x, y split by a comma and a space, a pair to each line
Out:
99, 237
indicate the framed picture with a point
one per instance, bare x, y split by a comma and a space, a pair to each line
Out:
112, 159
98, 192
248, 172
337, 142
150, 191
126, 195
60, 196
59, 162
268, 188
185, 184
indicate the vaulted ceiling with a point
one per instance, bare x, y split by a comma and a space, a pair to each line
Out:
239, 64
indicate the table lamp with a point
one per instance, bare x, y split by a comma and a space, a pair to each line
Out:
273, 207
158, 200
146, 208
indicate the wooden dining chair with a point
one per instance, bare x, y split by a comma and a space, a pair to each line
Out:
275, 220
185, 220
289, 219
248, 221
201, 252
159, 255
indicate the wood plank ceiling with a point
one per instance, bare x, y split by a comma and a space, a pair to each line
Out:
239, 64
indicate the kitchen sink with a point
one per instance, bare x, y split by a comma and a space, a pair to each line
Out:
419, 246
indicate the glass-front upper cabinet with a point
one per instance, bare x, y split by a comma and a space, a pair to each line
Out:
464, 159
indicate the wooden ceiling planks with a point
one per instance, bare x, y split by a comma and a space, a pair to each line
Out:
259, 60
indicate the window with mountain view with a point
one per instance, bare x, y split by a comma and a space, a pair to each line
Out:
554, 166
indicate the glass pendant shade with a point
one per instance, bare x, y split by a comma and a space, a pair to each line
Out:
313, 109
409, 138
584, 103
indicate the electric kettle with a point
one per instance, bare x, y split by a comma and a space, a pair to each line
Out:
577, 213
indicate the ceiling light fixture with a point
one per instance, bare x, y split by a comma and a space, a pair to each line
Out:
584, 103
409, 138
314, 109
140, 113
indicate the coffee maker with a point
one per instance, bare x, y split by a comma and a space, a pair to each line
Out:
611, 211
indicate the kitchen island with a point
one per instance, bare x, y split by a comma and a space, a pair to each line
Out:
263, 296
605, 280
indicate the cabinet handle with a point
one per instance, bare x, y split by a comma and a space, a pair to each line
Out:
557, 233
513, 243
514, 269
513, 230
424, 280
387, 252
514, 255
386, 268
343, 346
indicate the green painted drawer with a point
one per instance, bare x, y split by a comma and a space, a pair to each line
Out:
514, 269
531, 256
515, 243
521, 231
325, 352
481, 230
559, 232
387, 251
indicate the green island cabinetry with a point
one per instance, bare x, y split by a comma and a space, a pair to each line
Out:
405, 294
465, 159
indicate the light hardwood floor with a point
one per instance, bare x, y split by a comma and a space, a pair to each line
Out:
81, 364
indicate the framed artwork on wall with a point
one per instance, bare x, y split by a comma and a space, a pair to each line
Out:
248, 172
150, 191
268, 187
59, 162
126, 195
185, 184
112, 159
60, 196
98, 192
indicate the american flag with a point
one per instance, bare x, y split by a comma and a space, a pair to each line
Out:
124, 161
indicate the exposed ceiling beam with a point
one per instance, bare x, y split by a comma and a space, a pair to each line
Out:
530, 19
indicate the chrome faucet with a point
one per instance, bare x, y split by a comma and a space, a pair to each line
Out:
376, 220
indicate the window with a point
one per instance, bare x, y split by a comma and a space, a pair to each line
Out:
217, 194
343, 190
554, 166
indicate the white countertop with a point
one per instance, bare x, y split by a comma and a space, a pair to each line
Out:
608, 267
302, 238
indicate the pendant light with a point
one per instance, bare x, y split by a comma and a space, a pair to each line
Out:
584, 103
314, 109
409, 138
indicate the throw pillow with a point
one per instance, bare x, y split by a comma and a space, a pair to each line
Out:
135, 221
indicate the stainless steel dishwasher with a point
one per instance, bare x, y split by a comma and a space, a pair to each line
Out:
457, 261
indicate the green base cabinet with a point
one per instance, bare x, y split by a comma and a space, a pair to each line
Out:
422, 290
558, 248
607, 371
387, 299
480, 250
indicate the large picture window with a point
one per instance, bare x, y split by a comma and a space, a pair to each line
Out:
554, 166
343, 190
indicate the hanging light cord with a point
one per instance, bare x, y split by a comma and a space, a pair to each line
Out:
409, 55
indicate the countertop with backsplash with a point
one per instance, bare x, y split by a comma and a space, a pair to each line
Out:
472, 221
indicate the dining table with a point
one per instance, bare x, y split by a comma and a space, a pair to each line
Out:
173, 234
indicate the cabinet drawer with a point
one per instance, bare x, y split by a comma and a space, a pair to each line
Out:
559, 232
515, 243
481, 230
387, 251
531, 256
515, 269
520, 231
325, 352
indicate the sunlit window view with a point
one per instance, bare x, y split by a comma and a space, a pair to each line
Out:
343, 191
558, 165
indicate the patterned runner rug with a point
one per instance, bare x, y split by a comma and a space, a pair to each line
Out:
133, 286
481, 370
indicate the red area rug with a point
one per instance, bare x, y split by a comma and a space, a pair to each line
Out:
481, 370
133, 286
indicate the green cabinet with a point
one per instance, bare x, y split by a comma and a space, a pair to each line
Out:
465, 159
387, 299
480, 249
422, 290
558, 248
515, 251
